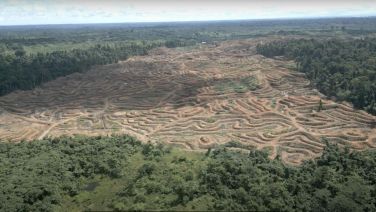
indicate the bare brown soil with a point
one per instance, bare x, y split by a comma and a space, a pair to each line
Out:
192, 98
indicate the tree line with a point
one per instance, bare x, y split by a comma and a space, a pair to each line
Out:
55, 173
23, 71
344, 69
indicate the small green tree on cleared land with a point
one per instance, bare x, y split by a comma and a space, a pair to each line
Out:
320, 106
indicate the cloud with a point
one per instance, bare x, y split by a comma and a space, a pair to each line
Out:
95, 11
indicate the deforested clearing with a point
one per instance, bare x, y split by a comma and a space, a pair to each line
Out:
193, 98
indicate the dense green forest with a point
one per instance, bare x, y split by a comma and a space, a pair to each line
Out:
345, 69
120, 173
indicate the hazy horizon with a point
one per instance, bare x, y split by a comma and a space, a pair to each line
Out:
40, 12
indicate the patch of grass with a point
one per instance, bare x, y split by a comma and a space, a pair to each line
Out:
273, 103
240, 88
210, 120
97, 125
238, 85
115, 125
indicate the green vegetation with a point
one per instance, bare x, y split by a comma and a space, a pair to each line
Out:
239, 85
32, 55
345, 69
321, 107
274, 101
120, 173
237, 144
26, 71
211, 119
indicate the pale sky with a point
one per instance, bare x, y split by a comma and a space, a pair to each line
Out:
25, 12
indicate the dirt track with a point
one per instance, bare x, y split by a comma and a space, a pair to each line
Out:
193, 98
